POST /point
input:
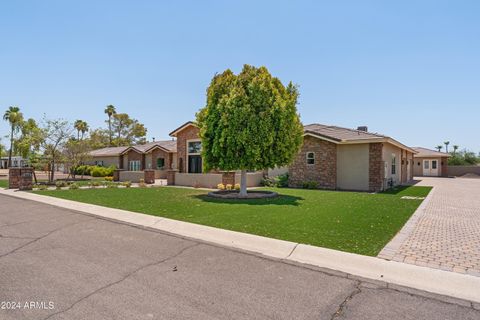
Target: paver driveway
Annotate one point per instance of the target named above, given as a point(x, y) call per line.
point(446, 233)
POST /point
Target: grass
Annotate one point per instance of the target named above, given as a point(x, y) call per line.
point(348, 221)
point(3, 183)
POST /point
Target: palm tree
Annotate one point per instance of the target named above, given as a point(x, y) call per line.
point(78, 126)
point(455, 148)
point(84, 128)
point(439, 148)
point(110, 111)
point(14, 117)
point(446, 143)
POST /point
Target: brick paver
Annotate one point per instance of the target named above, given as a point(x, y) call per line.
point(444, 233)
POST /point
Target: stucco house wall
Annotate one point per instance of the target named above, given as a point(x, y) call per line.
point(107, 161)
point(353, 167)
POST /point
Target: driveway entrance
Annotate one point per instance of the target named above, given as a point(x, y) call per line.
point(445, 233)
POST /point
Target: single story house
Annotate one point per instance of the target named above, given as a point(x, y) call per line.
point(331, 157)
point(17, 161)
point(157, 155)
point(430, 163)
point(339, 158)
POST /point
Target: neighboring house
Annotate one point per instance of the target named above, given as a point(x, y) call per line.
point(16, 162)
point(189, 147)
point(345, 159)
point(157, 155)
point(430, 163)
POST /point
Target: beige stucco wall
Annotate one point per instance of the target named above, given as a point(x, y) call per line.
point(204, 180)
point(352, 167)
point(277, 171)
point(107, 161)
point(132, 176)
point(253, 178)
point(388, 150)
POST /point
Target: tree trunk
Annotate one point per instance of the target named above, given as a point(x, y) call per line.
point(11, 148)
point(109, 131)
point(52, 176)
point(243, 183)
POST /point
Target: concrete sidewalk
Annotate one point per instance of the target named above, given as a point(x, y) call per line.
point(393, 274)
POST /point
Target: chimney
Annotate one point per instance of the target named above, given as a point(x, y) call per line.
point(153, 139)
point(363, 128)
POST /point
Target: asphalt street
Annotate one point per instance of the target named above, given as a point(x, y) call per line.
point(60, 264)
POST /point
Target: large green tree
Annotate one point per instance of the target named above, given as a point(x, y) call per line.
point(14, 118)
point(128, 130)
point(250, 122)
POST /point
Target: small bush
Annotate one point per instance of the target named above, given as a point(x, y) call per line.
point(310, 185)
point(42, 187)
point(61, 184)
point(228, 187)
point(282, 180)
point(267, 182)
point(127, 184)
point(73, 186)
point(109, 178)
point(112, 185)
point(237, 186)
point(142, 183)
point(220, 186)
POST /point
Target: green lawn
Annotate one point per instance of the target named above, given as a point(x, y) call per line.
point(3, 183)
point(348, 221)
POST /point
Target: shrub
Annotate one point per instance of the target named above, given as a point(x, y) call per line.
point(61, 184)
point(237, 186)
point(42, 187)
point(112, 185)
point(109, 178)
point(228, 187)
point(267, 182)
point(282, 180)
point(73, 186)
point(142, 184)
point(220, 186)
point(127, 184)
point(310, 185)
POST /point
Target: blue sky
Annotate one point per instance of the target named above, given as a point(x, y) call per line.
point(409, 69)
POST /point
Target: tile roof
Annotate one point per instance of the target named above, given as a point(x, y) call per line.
point(346, 136)
point(426, 153)
point(170, 145)
point(339, 133)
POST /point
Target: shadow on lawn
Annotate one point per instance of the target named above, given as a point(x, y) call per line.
point(282, 200)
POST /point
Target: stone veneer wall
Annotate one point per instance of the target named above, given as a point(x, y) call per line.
point(324, 171)
point(376, 167)
point(157, 153)
point(132, 155)
point(190, 132)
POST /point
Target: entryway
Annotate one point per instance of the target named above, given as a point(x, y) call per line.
point(430, 168)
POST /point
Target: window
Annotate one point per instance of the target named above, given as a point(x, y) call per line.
point(160, 163)
point(394, 164)
point(310, 157)
point(99, 163)
point(434, 164)
point(134, 165)
point(194, 147)
point(426, 164)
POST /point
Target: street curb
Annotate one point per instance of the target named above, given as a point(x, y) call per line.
point(435, 281)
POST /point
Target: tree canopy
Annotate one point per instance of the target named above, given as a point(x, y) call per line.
point(250, 121)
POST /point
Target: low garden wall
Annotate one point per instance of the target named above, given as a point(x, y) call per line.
point(254, 179)
point(457, 171)
point(201, 180)
point(132, 176)
point(212, 180)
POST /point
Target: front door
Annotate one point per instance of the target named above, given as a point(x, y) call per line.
point(430, 168)
point(194, 164)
